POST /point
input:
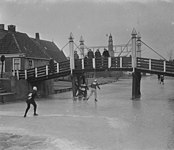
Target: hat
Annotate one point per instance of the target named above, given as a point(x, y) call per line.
point(34, 88)
point(95, 80)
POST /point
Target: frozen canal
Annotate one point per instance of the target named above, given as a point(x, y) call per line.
point(115, 122)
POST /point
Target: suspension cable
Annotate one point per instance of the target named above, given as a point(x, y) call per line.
point(153, 50)
point(124, 48)
point(128, 52)
point(64, 46)
point(77, 47)
point(86, 47)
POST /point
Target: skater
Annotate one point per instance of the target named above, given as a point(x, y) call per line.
point(159, 78)
point(83, 91)
point(30, 100)
point(94, 87)
point(162, 79)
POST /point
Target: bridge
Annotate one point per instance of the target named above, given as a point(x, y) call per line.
point(61, 69)
point(133, 63)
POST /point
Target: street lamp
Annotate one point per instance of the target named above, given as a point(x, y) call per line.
point(2, 60)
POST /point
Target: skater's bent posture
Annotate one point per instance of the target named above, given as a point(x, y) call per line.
point(83, 91)
point(30, 100)
point(94, 87)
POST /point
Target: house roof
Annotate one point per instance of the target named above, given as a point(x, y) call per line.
point(51, 50)
point(3, 33)
point(17, 42)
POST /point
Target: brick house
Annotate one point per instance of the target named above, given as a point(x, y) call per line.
point(24, 52)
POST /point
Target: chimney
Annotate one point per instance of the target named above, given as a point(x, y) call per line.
point(1, 26)
point(37, 36)
point(12, 28)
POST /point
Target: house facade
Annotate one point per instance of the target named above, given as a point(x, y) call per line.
point(24, 52)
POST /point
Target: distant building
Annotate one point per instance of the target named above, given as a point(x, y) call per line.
point(24, 52)
point(110, 46)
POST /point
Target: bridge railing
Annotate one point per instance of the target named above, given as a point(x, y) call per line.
point(155, 65)
point(103, 63)
point(113, 63)
point(63, 66)
point(126, 62)
point(169, 66)
point(42, 71)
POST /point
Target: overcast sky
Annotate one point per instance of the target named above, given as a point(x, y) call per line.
point(94, 19)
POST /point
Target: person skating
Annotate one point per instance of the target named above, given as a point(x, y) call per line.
point(31, 100)
point(162, 79)
point(83, 91)
point(94, 87)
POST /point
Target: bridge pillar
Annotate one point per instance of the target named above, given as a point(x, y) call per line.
point(78, 79)
point(136, 76)
point(134, 56)
point(138, 45)
point(136, 82)
point(71, 55)
point(82, 47)
point(71, 52)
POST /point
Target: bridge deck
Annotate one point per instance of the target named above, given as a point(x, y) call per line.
point(97, 64)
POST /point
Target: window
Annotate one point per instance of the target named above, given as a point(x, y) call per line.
point(30, 63)
point(16, 63)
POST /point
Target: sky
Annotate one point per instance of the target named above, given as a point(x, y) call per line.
point(94, 20)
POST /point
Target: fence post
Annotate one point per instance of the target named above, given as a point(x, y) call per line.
point(36, 72)
point(93, 63)
point(121, 62)
point(25, 74)
point(83, 64)
point(46, 70)
point(150, 64)
point(109, 62)
point(17, 74)
point(164, 66)
point(57, 67)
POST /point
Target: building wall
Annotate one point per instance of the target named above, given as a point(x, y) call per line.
point(21, 88)
point(8, 64)
point(38, 63)
point(24, 63)
point(35, 63)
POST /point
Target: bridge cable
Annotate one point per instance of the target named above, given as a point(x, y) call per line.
point(124, 48)
point(77, 47)
point(86, 47)
point(154, 50)
point(64, 46)
point(128, 52)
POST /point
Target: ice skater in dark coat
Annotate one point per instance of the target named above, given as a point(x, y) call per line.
point(31, 100)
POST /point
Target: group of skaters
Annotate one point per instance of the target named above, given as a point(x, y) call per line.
point(161, 79)
point(81, 92)
point(97, 53)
